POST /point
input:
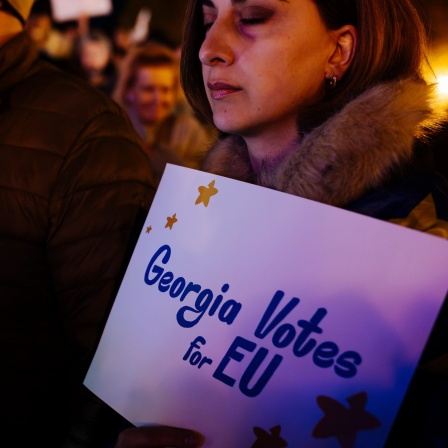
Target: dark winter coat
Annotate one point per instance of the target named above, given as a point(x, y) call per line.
point(73, 183)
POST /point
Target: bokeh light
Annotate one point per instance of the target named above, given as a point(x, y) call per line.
point(438, 58)
point(442, 85)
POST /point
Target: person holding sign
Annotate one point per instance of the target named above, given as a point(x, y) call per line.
point(325, 100)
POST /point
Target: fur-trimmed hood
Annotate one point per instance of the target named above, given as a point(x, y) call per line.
point(350, 154)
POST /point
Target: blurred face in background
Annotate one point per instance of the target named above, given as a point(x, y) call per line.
point(94, 55)
point(153, 93)
point(39, 27)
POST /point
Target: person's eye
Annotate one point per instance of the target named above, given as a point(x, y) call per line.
point(255, 16)
point(209, 19)
point(253, 20)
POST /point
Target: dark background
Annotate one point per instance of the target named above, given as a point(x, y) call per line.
point(169, 14)
point(437, 18)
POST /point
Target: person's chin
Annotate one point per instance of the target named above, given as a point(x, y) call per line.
point(227, 124)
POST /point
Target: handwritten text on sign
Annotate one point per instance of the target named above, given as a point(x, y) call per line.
point(284, 335)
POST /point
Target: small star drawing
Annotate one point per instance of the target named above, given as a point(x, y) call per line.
point(170, 220)
point(148, 229)
point(342, 422)
point(205, 193)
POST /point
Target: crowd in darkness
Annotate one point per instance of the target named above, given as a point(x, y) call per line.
point(132, 55)
point(57, 38)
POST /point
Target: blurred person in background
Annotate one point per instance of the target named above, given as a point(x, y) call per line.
point(94, 53)
point(52, 42)
point(148, 89)
point(166, 19)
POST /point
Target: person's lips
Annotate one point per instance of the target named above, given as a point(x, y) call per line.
point(220, 90)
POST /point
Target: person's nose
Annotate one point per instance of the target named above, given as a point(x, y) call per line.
point(217, 48)
point(155, 97)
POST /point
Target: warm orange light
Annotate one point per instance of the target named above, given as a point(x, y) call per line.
point(438, 59)
point(442, 85)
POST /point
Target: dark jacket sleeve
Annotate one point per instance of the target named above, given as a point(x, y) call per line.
point(99, 203)
point(103, 186)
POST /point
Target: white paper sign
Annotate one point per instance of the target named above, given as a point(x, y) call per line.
point(259, 318)
point(64, 10)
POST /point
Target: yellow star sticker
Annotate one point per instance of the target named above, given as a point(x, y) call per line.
point(205, 193)
point(148, 229)
point(170, 220)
